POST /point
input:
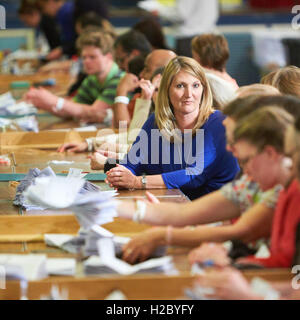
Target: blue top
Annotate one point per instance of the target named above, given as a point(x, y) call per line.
point(206, 165)
point(65, 19)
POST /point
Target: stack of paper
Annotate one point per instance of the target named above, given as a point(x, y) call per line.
point(9, 106)
point(90, 208)
point(47, 172)
point(29, 123)
point(107, 262)
point(29, 267)
point(26, 182)
point(86, 242)
point(96, 233)
point(61, 266)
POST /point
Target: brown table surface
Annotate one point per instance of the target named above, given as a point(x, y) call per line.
point(22, 232)
point(63, 81)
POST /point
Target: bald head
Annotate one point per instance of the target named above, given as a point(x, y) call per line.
point(156, 59)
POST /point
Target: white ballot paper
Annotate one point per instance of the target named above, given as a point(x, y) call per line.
point(47, 172)
point(28, 123)
point(90, 208)
point(86, 242)
point(9, 106)
point(107, 263)
point(61, 266)
point(29, 267)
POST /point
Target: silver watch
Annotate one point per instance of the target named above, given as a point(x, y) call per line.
point(144, 181)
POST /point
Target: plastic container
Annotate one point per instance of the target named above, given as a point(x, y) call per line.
point(19, 88)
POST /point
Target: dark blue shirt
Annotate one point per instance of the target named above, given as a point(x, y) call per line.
point(65, 20)
point(197, 166)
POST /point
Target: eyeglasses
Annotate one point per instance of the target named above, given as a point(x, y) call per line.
point(245, 161)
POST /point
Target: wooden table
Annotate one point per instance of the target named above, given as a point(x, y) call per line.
point(23, 231)
point(63, 81)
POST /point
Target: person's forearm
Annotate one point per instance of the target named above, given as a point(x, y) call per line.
point(191, 237)
point(71, 109)
point(79, 111)
point(121, 113)
point(210, 208)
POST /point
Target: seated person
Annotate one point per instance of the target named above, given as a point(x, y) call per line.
point(129, 45)
point(241, 198)
point(110, 145)
point(96, 94)
point(123, 107)
point(212, 52)
point(229, 283)
point(63, 12)
point(30, 13)
point(198, 165)
point(286, 80)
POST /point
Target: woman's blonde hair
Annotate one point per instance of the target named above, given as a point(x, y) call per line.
point(164, 114)
point(286, 80)
point(257, 89)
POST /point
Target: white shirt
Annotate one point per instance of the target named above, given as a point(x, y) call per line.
point(191, 17)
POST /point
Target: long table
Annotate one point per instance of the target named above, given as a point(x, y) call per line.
point(23, 231)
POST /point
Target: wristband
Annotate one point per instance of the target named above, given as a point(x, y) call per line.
point(90, 144)
point(140, 211)
point(122, 99)
point(59, 105)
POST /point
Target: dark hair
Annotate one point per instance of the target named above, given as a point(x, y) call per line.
point(92, 19)
point(152, 30)
point(240, 108)
point(136, 64)
point(212, 49)
point(29, 6)
point(133, 40)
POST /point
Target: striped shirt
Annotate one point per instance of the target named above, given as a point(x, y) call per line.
point(91, 89)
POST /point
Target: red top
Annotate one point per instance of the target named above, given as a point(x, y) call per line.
point(285, 221)
point(272, 3)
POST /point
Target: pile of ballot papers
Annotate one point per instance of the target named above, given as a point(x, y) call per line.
point(32, 267)
point(86, 242)
point(10, 107)
point(107, 262)
point(28, 123)
point(74, 194)
point(29, 179)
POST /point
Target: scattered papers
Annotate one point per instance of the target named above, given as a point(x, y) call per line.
point(61, 266)
point(29, 179)
point(86, 242)
point(107, 263)
point(28, 123)
point(29, 267)
point(55, 192)
point(9, 106)
point(26, 182)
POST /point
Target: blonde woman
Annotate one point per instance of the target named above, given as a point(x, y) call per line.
point(171, 151)
point(286, 80)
